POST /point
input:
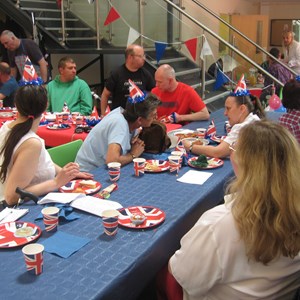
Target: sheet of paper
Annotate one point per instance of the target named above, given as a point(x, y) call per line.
point(95, 205)
point(11, 214)
point(194, 177)
point(60, 198)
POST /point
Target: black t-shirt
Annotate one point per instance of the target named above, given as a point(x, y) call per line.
point(118, 84)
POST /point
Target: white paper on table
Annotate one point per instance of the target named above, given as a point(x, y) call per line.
point(61, 198)
point(194, 177)
point(12, 214)
point(94, 205)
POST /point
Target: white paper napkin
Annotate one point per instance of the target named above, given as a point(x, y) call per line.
point(194, 177)
point(11, 214)
point(60, 198)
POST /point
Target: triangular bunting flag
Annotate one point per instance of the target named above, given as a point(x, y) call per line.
point(241, 86)
point(29, 72)
point(112, 16)
point(132, 36)
point(192, 46)
point(220, 80)
point(95, 113)
point(160, 50)
point(206, 50)
point(211, 130)
point(135, 94)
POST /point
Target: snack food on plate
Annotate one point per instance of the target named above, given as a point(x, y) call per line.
point(137, 219)
point(88, 183)
point(200, 162)
point(151, 167)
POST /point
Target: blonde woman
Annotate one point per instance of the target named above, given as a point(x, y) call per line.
point(249, 247)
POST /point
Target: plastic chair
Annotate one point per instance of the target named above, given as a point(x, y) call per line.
point(63, 154)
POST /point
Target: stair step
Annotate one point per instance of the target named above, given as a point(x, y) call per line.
point(41, 9)
point(67, 29)
point(38, 1)
point(168, 61)
point(56, 19)
point(168, 54)
point(89, 38)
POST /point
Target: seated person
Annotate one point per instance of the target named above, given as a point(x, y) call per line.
point(25, 163)
point(291, 101)
point(68, 88)
point(8, 85)
point(111, 140)
point(277, 70)
point(178, 98)
point(240, 111)
point(248, 248)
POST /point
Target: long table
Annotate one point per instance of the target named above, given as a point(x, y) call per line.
point(118, 267)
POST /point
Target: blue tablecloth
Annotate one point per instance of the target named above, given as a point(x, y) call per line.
point(117, 267)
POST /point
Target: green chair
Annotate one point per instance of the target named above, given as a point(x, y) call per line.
point(63, 154)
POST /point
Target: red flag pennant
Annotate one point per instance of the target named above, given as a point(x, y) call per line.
point(241, 86)
point(29, 72)
point(95, 113)
point(112, 16)
point(192, 46)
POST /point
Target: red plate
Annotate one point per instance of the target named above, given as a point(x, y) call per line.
point(218, 138)
point(212, 163)
point(156, 166)
point(154, 216)
point(75, 186)
point(9, 239)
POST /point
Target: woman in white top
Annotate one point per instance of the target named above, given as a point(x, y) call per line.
point(248, 248)
point(24, 161)
point(240, 109)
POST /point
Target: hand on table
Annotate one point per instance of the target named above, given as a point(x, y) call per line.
point(85, 175)
point(67, 173)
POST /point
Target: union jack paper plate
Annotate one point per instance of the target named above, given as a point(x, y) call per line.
point(212, 163)
point(154, 216)
point(87, 187)
point(156, 166)
point(14, 234)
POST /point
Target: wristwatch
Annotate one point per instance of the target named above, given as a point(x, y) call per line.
point(191, 147)
point(133, 156)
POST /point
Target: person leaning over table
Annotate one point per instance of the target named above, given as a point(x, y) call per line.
point(241, 108)
point(70, 89)
point(291, 101)
point(24, 161)
point(114, 138)
point(249, 247)
point(8, 85)
point(177, 97)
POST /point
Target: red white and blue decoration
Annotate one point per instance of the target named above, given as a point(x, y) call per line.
point(139, 167)
point(110, 225)
point(34, 263)
point(29, 74)
point(241, 88)
point(135, 94)
point(211, 130)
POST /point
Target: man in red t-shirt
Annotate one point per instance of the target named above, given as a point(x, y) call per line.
point(177, 98)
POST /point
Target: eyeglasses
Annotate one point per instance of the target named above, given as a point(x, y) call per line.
point(232, 147)
point(140, 55)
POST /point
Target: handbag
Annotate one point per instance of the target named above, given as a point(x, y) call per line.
point(155, 138)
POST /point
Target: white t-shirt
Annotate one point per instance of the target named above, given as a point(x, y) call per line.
point(235, 130)
point(211, 264)
point(45, 169)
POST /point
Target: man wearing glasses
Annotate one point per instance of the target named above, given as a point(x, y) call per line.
point(117, 84)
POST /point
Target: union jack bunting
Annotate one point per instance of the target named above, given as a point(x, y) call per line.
point(34, 263)
point(135, 94)
point(29, 72)
point(211, 130)
point(241, 86)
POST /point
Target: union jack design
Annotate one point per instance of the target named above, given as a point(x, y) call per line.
point(34, 263)
point(110, 225)
point(241, 86)
point(134, 91)
point(211, 130)
point(114, 173)
point(174, 165)
point(51, 222)
point(29, 72)
point(139, 168)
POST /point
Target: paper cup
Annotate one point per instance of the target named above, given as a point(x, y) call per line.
point(201, 132)
point(33, 255)
point(58, 118)
point(139, 166)
point(174, 161)
point(50, 217)
point(74, 116)
point(178, 153)
point(114, 169)
point(79, 120)
point(110, 221)
point(65, 117)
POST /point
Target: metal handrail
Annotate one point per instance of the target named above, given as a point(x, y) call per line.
point(225, 42)
point(244, 36)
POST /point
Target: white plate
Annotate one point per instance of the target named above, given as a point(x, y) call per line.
point(50, 118)
point(174, 138)
point(193, 140)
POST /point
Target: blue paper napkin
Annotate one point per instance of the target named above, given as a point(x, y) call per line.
point(65, 213)
point(64, 244)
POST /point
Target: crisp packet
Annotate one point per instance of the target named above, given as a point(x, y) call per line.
point(105, 193)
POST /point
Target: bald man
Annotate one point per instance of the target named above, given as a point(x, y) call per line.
point(291, 51)
point(117, 84)
point(18, 50)
point(8, 85)
point(177, 97)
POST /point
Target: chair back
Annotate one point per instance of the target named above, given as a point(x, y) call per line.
point(63, 154)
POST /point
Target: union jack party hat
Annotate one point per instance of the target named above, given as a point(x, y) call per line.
point(135, 94)
point(29, 74)
point(241, 88)
point(211, 130)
